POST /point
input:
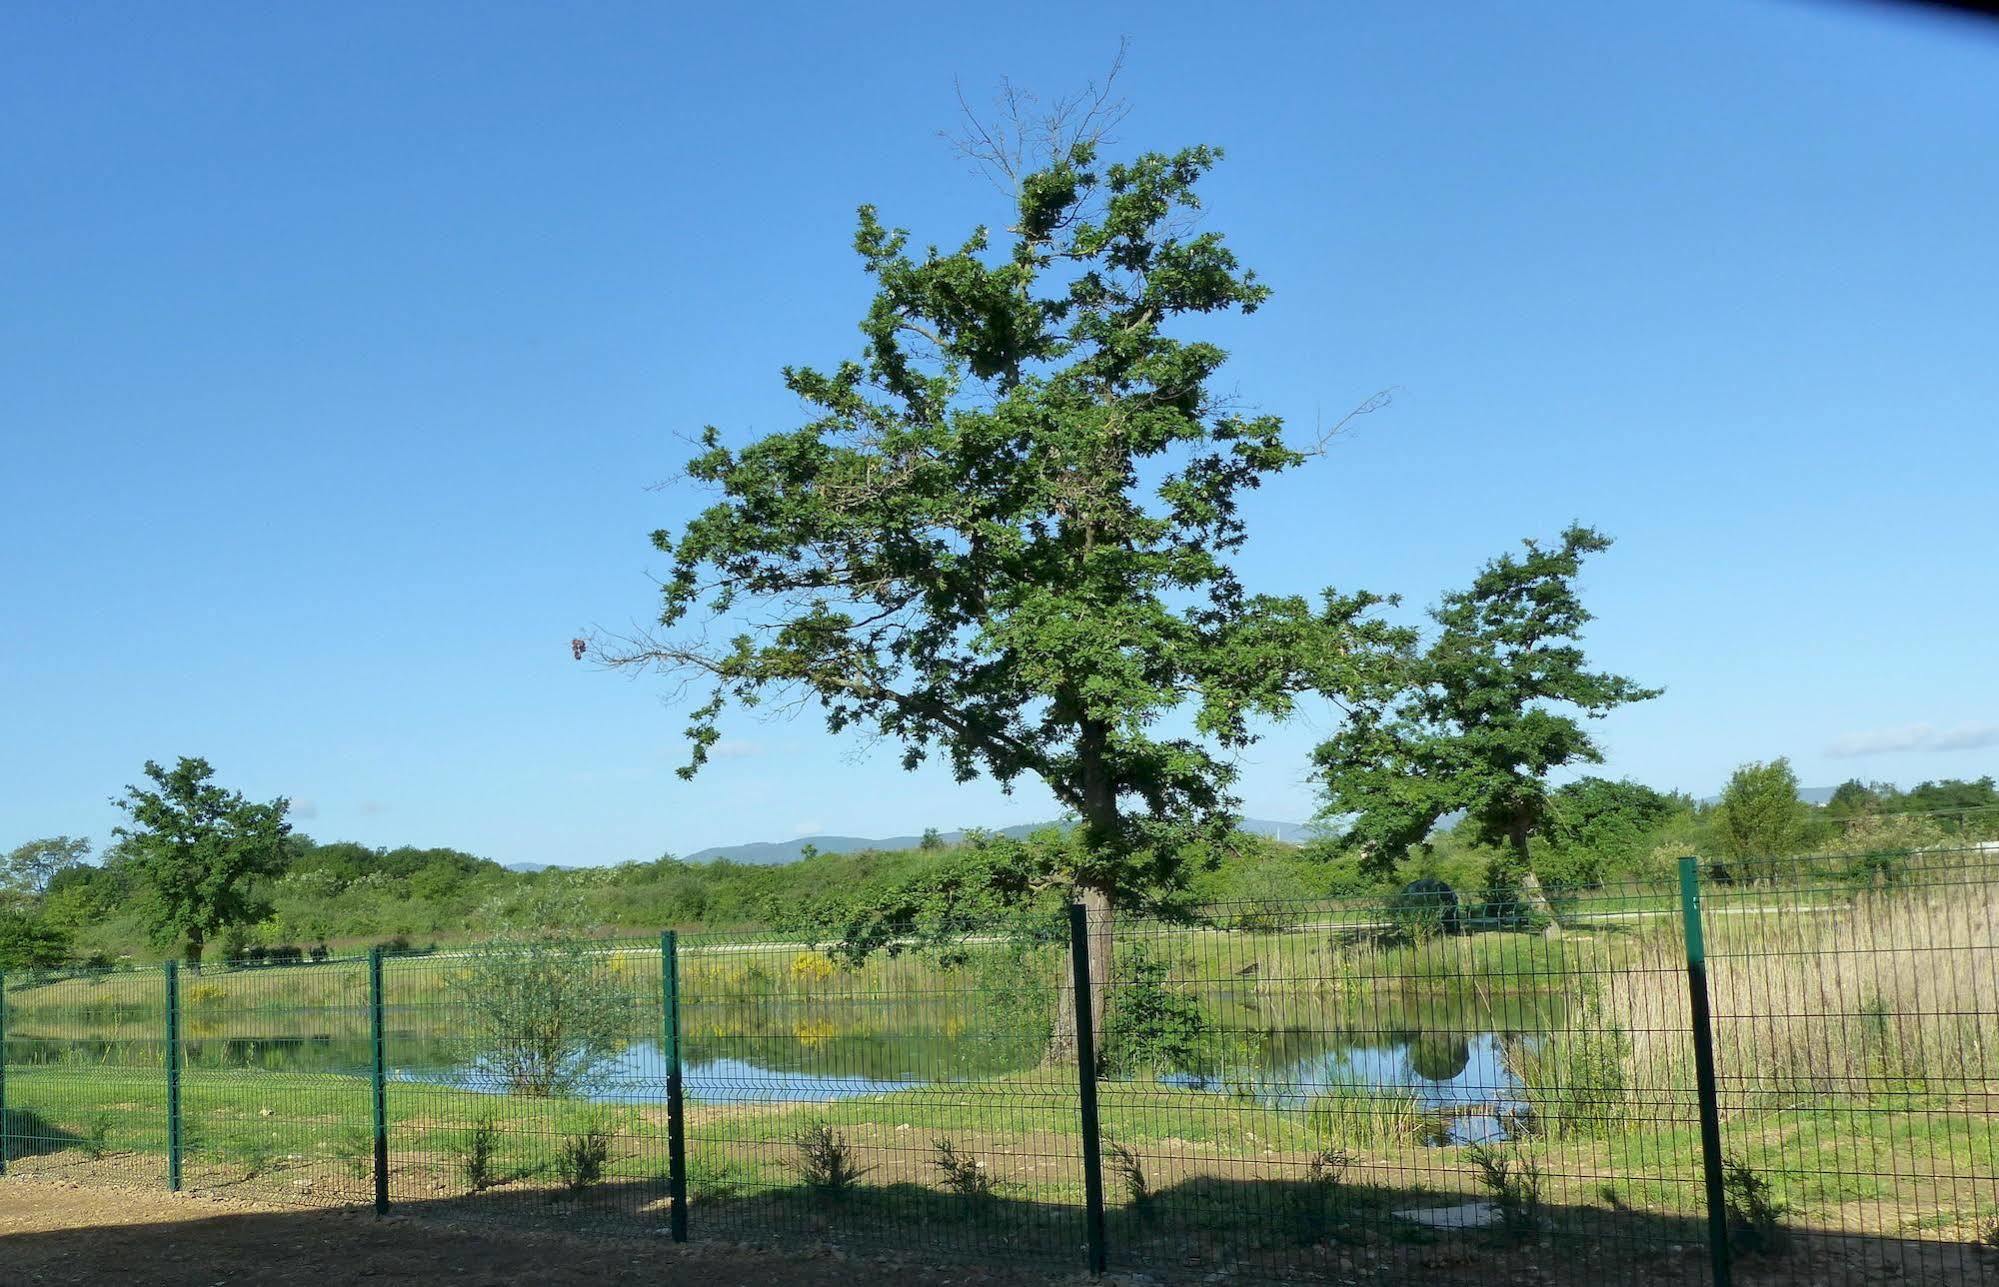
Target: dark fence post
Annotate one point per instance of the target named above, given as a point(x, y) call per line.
point(1697, 996)
point(172, 973)
point(676, 1121)
point(5, 1129)
point(379, 1040)
point(1086, 1085)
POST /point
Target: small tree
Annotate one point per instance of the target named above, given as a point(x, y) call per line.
point(1476, 723)
point(1760, 820)
point(31, 867)
point(544, 1010)
point(199, 849)
point(29, 942)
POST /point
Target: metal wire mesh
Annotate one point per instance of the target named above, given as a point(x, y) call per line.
point(1426, 1087)
point(1856, 1054)
point(1408, 1087)
point(525, 1081)
point(84, 1058)
point(274, 1075)
point(915, 1098)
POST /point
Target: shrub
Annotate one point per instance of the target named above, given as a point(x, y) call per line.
point(964, 1175)
point(475, 1150)
point(1754, 1210)
point(1574, 1082)
point(97, 1137)
point(825, 1161)
point(580, 1159)
point(1513, 1179)
point(1148, 1027)
point(543, 1016)
point(355, 1150)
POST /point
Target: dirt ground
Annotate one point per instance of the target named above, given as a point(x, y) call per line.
point(53, 1232)
point(59, 1232)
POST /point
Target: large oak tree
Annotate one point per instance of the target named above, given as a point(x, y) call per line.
point(1004, 534)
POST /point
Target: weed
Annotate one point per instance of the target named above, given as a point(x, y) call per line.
point(475, 1150)
point(1754, 1210)
point(964, 1175)
point(826, 1161)
point(580, 1159)
point(97, 1137)
point(1988, 1235)
point(252, 1154)
point(355, 1149)
point(1514, 1181)
point(1130, 1170)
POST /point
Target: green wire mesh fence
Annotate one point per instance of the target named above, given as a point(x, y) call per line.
point(1444, 1086)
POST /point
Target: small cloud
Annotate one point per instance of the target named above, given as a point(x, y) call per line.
point(807, 828)
point(1917, 737)
point(370, 808)
point(304, 809)
point(730, 748)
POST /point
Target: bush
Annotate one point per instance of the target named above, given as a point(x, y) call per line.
point(825, 1161)
point(964, 1175)
point(475, 1150)
point(1754, 1210)
point(544, 1017)
point(1130, 1171)
point(1573, 1082)
point(1148, 1027)
point(580, 1159)
point(1514, 1181)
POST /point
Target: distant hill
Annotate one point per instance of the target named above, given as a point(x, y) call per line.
point(773, 853)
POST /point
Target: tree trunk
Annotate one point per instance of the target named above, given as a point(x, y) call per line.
point(1530, 884)
point(1103, 833)
point(195, 943)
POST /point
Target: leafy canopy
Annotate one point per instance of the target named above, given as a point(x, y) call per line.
point(30, 868)
point(198, 849)
point(1004, 536)
point(1476, 723)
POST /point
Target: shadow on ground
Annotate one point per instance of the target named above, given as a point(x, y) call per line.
point(1204, 1231)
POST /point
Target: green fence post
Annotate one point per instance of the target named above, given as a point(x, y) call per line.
point(172, 972)
point(381, 1079)
point(1086, 1085)
point(5, 1128)
point(1704, 1085)
point(676, 1121)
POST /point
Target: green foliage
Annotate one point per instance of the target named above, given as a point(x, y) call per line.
point(964, 1175)
point(1760, 820)
point(825, 1161)
point(1472, 722)
point(1574, 1080)
point(580, 1157)
point(1755, 1212)
point(29, 941)
point(1005, 537)
point(1149, 1028)
point(1352, 1115)
point(1596, 827)
point(198, 849)
point(476, 1151)
point(31, 868)
point(96, 1139)
point(544, 1012)
point(1512, 1180)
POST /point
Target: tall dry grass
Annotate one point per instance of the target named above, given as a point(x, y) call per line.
point(1892, 991)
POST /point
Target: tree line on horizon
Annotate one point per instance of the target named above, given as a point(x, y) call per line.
point(303, 897)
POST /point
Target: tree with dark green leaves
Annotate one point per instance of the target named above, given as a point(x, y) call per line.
point(1480, 717)
point(198, 849)
point(1005, 535)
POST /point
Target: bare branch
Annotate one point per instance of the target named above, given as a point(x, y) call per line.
point(1322, 438)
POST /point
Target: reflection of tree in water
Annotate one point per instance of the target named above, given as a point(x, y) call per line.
point(1439, 1056)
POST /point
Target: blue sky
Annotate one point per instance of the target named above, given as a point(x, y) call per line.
point(339, 345)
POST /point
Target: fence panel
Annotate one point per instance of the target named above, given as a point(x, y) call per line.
point(1409, 1086)
point(1856, 1010)
point(85, 1084)
point(274, 1081)
point(527, 1082)
point(924, 1098)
